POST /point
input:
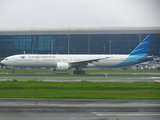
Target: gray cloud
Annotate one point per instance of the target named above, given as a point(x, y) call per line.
point(79, 13)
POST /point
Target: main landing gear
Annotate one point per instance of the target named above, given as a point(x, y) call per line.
point(78, 72)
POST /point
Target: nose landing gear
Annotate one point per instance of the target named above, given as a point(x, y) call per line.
point(13, 71)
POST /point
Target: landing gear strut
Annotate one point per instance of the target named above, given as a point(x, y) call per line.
point(78, 72)
point(13, 71)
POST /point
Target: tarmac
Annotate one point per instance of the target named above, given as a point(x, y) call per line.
point(78, 109)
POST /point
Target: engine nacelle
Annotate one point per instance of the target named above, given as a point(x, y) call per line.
point(62, 67)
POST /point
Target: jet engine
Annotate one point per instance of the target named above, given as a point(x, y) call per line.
point(62, 67)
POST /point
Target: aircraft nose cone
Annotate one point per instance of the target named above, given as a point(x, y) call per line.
point(2, 62)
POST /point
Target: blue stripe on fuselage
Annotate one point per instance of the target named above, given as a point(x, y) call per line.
point(131, 60)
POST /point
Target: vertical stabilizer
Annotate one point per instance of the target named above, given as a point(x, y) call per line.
point(142, 48)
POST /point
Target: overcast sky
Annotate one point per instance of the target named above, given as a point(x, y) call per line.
point(79, 13)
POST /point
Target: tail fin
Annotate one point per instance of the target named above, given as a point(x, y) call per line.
point(142, 48)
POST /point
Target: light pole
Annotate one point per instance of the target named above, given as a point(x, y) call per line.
point(139, 38)
point(104, 48)
point(110, 46)
point(52, 46)
point(68, 39)
point(68, 43)
point(32, 47)
point(88, 43)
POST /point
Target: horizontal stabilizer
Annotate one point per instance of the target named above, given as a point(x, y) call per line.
point(145, 58)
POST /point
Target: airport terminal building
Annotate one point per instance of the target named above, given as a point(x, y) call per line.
point(76, 40)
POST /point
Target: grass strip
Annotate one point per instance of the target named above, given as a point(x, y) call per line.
point(79, 90)
point(71, 71)
point(125, 75)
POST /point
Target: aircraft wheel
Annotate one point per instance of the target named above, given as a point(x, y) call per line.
point(74, 72)
point(79, 72)
point(13, 71)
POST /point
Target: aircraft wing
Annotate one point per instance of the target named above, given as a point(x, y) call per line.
point(86, 61)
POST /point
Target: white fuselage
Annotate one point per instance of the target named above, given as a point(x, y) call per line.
point(43, 60)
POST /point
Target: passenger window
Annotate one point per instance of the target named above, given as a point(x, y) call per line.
point(58, 59)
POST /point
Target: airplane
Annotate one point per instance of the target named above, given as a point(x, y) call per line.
point(78, 62)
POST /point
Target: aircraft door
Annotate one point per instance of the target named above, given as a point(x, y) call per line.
point(127, 60)
point(36, 59)
point(70, 59)
point(15, 59)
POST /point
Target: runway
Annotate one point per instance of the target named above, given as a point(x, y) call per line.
point(82, 78)
point(78, 109)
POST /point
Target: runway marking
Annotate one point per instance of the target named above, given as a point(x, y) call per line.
point(157, 80)
point(127, 114)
